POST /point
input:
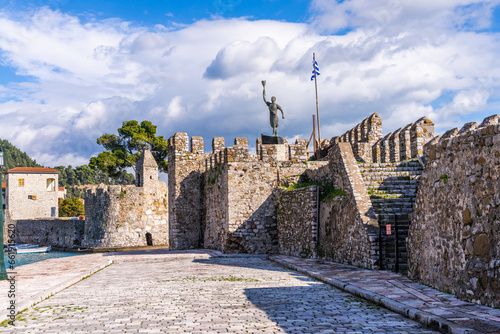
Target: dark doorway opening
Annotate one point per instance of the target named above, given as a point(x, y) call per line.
point(149, 239)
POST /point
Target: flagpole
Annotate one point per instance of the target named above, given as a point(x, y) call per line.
point(317, 105)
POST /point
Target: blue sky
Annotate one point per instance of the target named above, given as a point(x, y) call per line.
point(71, 70)
point(150, 13)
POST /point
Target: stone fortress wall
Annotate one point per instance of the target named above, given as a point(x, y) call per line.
point(132, 215)
point(59, 232)
point(233, 201)
point(347, 226)
point(226, 199)
point(454, 241)
point(115, 216)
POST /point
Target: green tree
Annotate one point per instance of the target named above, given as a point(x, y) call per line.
point(13, 157)
point(123, 150)
point(72, 207)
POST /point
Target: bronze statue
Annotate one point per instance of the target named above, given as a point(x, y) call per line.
point(273, 110)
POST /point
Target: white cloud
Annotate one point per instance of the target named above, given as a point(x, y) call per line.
point(402, 59)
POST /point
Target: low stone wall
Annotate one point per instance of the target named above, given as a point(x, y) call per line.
point(454, 239)
point(297, 221)
point(348, 229)
point(55, 232)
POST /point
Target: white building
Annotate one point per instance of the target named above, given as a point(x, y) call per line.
point(32, 192)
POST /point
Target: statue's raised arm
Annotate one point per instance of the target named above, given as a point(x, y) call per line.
point(264, 91)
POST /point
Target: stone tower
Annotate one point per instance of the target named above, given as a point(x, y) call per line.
point(146, 170)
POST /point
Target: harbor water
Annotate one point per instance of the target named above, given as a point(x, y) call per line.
point(24, 259)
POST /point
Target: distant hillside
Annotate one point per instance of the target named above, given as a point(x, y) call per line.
point(83, 175)
point(14, 157)
point(70, 177)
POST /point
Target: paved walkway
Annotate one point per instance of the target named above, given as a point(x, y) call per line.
point(197, 292)
point(400, 294)
point(37, 281)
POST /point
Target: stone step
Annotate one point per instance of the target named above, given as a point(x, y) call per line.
point(398, 180)
point(397, 189)
point(389, 164)
point(410, 170)
point(383, 221)
point(387, 217)
point(403, 201)
point(390, 188)
point(387, 196)
point(382, 205)
point(389, 210)
point(390, 170)
point(390, 178)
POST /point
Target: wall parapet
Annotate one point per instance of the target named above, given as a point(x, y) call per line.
point(470, 133)
point(368, 144)
point(362, 137)
point(454, 240)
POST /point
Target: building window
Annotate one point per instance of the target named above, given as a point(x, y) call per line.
point(51, 184)
point(20, 182)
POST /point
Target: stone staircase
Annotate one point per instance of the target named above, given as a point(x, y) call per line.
point(392, 188)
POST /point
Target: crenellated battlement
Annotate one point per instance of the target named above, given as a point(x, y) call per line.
point(368, 144)
point(239, 152)
point(456, 139)
point(362, 137)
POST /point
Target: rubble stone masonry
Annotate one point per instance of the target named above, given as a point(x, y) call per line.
point(347, 226)
point(124, 216)
point(184, 182)
point(454, 239)
point(58, 232)
point(297, 215)
point(239, 194)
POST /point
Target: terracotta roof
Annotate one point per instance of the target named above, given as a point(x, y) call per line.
point(32, 170)
point(61, 188)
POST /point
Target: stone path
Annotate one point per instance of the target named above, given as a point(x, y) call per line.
point(402, 295)
point(200, 293)
point(37, 281)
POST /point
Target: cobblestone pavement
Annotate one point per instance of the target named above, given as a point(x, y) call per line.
point(36, 281)
point(177, 294)
point(400, 294)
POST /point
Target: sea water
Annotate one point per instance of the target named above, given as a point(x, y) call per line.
point(24, 259)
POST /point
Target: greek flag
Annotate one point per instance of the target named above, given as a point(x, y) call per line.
point(315, 70)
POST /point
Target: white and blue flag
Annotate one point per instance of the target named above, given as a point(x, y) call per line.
point(315, 69)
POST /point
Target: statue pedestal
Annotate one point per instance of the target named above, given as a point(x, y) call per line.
point(271, 140)
point(272, 148)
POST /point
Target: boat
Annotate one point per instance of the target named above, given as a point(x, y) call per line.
point(30, 248)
